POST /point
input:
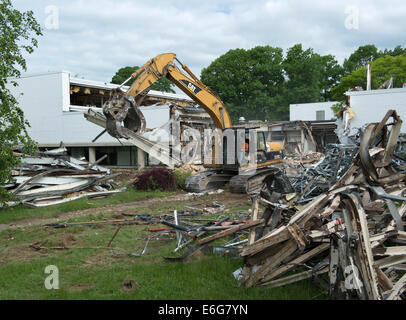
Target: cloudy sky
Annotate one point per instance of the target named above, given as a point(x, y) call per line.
point(93, 39)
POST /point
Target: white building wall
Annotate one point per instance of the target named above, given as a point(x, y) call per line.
point(307, 111)
point(44, 98)
point(371, 106)
point(45, 102)
point(156, 116)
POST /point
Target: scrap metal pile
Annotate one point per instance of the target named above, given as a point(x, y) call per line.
point(52, 177)
point(319, 177)
point(350, 239)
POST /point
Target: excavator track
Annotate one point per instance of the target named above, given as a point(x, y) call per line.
point(251, 182)
point(207, 180)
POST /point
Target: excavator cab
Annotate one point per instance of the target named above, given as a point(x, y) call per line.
point(268, 151)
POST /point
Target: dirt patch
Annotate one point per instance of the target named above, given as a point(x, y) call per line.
point(81, 286)
point(98, 259)
point(130, 285)
point(22, 253)
point(67, 241)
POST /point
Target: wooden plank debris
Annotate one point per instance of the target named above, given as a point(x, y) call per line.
point(361, 218)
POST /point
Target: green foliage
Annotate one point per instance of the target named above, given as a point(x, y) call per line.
point(331, 73)
point(16, 38)
point(360, 57)
point(260, 84)
point(310, 76)
point(397, 51)
point(381, 70)
point(156, 179)
point(124, 73)
point(180, 177)
point(368, 53)
point(248, 81)
point(336, 108)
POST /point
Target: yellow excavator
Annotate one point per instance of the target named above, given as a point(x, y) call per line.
point(263, 173)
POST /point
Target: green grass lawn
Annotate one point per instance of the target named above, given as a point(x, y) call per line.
point(86, 273)
point(97, 274)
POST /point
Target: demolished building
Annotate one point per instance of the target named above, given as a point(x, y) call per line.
point(54, 104)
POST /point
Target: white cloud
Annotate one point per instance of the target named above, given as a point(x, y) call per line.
point(96, 38)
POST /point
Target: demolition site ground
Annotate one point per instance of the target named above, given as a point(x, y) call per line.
point(92, 252)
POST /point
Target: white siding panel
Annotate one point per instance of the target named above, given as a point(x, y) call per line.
point(373, 105)
point(308, 111)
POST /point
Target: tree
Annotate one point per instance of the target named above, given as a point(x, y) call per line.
point(248, 81)
point(331, 73)
point(260, 84)
point(381, 70)
point(124, 73)
point(303, 71)
point(310, 77)
point(17, 32)
point(360, 58)
point(397, 51)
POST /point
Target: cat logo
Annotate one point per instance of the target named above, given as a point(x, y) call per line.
point(195, 89)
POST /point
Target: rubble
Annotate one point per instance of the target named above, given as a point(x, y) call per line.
point(319, 177)
point(53, 177)
point(353, 233)
point(344, 227)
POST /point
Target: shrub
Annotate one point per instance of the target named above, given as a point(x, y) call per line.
point(156, 179)
point(180, 177)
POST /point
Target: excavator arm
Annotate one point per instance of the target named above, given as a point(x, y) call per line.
point(123, 106)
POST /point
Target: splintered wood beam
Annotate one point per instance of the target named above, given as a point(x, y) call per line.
point(329, 210)
point(294, 278)
point(261, 256)
point(383, 280)
point(390, 251)
point(228, 232)
point(390, 261)
point(264, 243)
point(401, 235)
point(295, 262)
point(288, 249)
point(254, 217)
point(398, 288)
point(298, 235)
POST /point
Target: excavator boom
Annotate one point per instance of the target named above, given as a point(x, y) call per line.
point(123, 108)
point(155, 69)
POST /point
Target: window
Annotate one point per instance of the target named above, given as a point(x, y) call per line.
point(88, 97)
point(320, 115)
point(261, 145)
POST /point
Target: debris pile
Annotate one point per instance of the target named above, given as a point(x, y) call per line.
point(319, 177)
point(349, 239)
point(53, 177)
point(193, 224)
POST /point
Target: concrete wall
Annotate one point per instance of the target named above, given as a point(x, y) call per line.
point(307, 111)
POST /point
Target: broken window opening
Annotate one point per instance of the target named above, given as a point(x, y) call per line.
point(88, 97)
